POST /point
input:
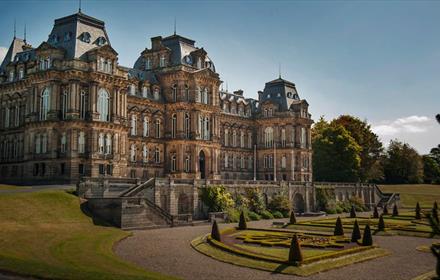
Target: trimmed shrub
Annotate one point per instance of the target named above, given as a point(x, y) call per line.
point(418, 211)
point(385, 209)
point(381, 225)
point(215, 232)
point(375, 213)
point(254, 216)
point(339, 229)
point(367, 240)
point(339, 210)
point(242, 223)
point(277, 215)
point(279, 203)
point(435, 214)
point(352, 212)
point(295, 253)
point(266, 215)
point(356, 234)
point(358, 203)
point(292, 218)
point(285, 214)
point(395, 211)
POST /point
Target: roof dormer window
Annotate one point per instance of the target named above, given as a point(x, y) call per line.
point(85, 37)
point(45, 63)
point(67, 36)
point(162, 61)
point(11, 75)
point(54, 39)
point(101, 41)
point(21, 74)
point(147, 63)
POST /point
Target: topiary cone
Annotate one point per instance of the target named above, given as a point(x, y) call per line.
point(435, 214)
point(295, 253)
point(215, 233)
point(356, 234)
point(435, 205)
point(418, 211)
point(367, 240)
point(381, 225)
point(292, 218)
point(375, 213)
point(339, 229)
point(352, 212)
point(385, 209)
point(395, 211)
point(242, 223)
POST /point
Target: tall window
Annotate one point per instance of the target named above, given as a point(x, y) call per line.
point(157, 128)
point(7, 117)
point(186, 93)
point(283, 137)
point(242, 162)
point(145, 91)
point(63, 142)
point(187, 126)
point(133, 125)
point(173, 126)
point(145, 153)
point(174, 93)
point(81, 142)
point(250, 163)
point(268, 137)
point(283, 162)
point(226, 161)
point(147, 64)
point(234, 138)
point(11, 75)
point(132, 89)
point(37, 144)
point(133, 153)
point(187, 163)
point(303, 137)
point(173, 163)
point(242, 139)
point(204, 96)
point(17, 115)
point(83, 104)
point(108, 144)
point(21, 73)
point(44, 143)
point(226, 137)
point(44, 104)
point(103, 105)
point(63, 104)
point(157, 155)
point(162, 61)
point(250, 140)
point(146, 127)
point(101, 143)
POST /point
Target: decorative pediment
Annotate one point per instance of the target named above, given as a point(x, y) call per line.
point(46, 46)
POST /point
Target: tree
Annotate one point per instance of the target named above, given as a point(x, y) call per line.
point(336, 155)
point(375, 213)
point(395, 211)
point(431, 170)
point(381, 225)
point(418, 211)
point(403, 165)
point(216, 198)
point(367, 240)
point(295, 252)
point(437, 117)
point(292, 218)
point(352, 212)
point(435, 153)
point(281, 203)
point(242, 223)
point(356, 233)
point(339, 229)
point(215, 232)
point(370, 154)
point(256, 200)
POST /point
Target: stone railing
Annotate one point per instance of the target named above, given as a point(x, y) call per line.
point(217, 216)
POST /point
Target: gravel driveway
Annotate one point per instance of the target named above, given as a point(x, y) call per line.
point(168, 251)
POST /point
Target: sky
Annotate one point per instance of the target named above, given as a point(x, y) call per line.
point(377, 60)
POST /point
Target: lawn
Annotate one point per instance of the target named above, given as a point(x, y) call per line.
point(45, 234)
point(411, 194)
point(12, 187)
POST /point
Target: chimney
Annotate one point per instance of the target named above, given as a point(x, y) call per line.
point(156, 42)
point(260, 95)
point(238, 92)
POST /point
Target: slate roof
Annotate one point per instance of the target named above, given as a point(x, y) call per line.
point(16, 46)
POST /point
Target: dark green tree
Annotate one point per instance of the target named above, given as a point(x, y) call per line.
point(292, 217)
point(367, 240)
point(435, 153)
point(395, 211)
point(381, 225)
point(352, 212)
point(418, 211)
point(437, 117)
point(356, 233)
point(375, 213)
point(402, 164)
point(431, 170)
point(295, 252)
point(370, 167)
point(339, 229)
point(215, 232)
point(336, 155)
point(242, 222)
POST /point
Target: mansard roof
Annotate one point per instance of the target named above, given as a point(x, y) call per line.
point(17, 46)
point(281, 92)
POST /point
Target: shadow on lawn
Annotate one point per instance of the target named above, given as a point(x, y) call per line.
point(97, 221)
point(280, 268)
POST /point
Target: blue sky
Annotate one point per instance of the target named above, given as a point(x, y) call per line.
point(376, 60)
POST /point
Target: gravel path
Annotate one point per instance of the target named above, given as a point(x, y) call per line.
point(168, 251)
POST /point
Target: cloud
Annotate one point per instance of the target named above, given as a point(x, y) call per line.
point(411, 124)
point(3, 52)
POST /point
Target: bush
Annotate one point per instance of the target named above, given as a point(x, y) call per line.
point(277, 215)
point(295, 252)
point(242, 224)
point(358, 203)
point(368, 239)
point(339, 229)
point(215, 233)
point(331, 211)
point(356, 234)
point(266, 215)
point(279, 203)
point(217, 198)
point(256, 201)
point(241, 202)
point(233, 215)
point(285, 214)
point(339, 210)
point(324, 199)
point(254, 216)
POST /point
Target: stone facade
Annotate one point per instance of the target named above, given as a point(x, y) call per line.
point(69, 110)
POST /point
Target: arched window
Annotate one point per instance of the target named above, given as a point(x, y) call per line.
point(226, 137)
point(268, 137)
point(37, 145)
point(303, 137)
point(186, 92)
point(156, 94)
point(146, 127)
point(283, 137)
point(63, 104)
point(103, 105)
point(199, 94)
point(242, 162)
point(187, 126)
point(226, 161)
point(147, 63)
point(108, 144)
point(83, 104)
point(242, 139)
point(187, 163)
point(173, 163)
point(132, 89)
point(44, 143)
point(145, 91)
point(250, 140)
point(63, 143)
point(283, 161)
point(157, 155)
point(133, 125)
point(207, 134)
point(205, 96)
point(44, 104)
point(133, 153)
point(101, 143)
point(174, 93)
point(173, 126)
point(250, 162)
point(157, 128)
point(145, 153)
point(81, 142)
point(234, 138)
point(7, 117)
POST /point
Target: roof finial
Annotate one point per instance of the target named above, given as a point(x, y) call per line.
point(79, 9)
point(226, 86)
point(15, 28)
point(175, 25)
point(279, 70)
point(25, 32)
